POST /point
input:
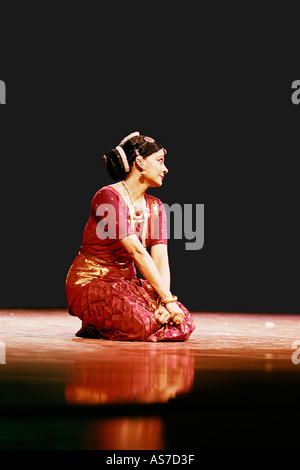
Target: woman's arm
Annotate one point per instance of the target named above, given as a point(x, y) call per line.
point(147, 266)
point(159, 254)
point(149, 270)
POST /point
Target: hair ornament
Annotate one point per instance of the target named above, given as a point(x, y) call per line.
point(149, 139)
point(124, 158)
point(133, 134)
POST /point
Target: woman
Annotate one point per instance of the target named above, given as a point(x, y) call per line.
point(102, 286)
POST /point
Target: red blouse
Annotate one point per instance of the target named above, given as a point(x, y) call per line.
point(110, 221)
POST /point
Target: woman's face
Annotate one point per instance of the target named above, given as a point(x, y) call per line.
point(155, 168)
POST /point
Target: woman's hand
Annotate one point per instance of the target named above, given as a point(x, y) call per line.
point(172, 314)
point(162, 314)
point(177, 315)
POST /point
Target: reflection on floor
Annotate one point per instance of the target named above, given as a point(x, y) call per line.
point(234, 385)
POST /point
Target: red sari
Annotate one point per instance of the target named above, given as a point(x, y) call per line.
point(102, 286)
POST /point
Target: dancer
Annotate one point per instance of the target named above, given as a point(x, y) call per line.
point(127, 229)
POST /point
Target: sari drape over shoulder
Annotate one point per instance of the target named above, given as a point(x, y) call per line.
point(102, 286)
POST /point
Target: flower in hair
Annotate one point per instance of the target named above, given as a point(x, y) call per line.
point(149, 139)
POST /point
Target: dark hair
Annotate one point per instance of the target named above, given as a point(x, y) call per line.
point(133, 146)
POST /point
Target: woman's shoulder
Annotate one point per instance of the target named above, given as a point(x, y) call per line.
point(155, 205)
point(153, 199)
point(106, 195)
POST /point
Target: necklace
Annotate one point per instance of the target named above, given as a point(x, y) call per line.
point(138, 211)
point(140, 214)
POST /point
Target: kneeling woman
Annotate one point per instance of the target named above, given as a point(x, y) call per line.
point(102, 286)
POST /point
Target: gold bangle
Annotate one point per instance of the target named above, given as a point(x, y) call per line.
point(167, 301)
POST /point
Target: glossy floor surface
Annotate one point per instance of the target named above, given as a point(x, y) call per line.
point(234, 385)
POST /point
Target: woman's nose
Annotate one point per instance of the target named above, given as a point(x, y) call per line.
point(165, 169)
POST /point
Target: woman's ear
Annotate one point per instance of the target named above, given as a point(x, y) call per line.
point(140, 161)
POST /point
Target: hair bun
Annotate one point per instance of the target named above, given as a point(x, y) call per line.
point(113, 162)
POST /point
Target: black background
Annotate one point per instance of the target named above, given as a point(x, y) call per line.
point(213, 86)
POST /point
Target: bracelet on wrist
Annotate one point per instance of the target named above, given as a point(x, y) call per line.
point(167, 301)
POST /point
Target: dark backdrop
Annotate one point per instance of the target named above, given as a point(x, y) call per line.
point(217, 95)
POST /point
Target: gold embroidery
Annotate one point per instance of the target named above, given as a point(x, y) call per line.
point(155, 209)
point(87, 270)
point(154, 206)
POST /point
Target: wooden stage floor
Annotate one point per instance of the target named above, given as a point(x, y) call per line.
point(234, 385)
